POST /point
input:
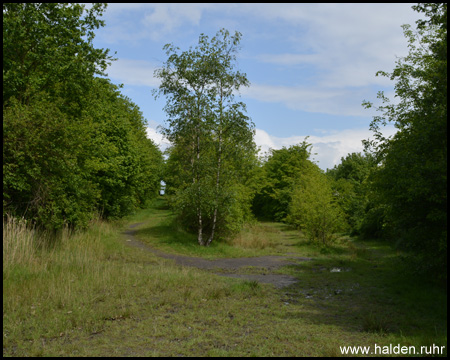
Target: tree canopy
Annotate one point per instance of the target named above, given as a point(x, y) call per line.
point(411, 181)
point(280, 171)
point(211, 135)
point(73, 146)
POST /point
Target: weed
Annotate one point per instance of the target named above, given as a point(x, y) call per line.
point(375, 323)
point(253, 286)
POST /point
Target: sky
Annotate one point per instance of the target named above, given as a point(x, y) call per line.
point(310, 66)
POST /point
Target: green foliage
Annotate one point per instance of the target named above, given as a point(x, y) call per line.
point(313, 208)
point(351, 189)
point(294, 190)
point(125, 164)
point(280, 171)
point(73, 145)
point(355, 167)
point(211, 135)
point(51, 43)
point(412, 178)
point(42, 179)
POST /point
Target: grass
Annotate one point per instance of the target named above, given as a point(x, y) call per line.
point(91, 295)
point(256, 236)
point(162, 231)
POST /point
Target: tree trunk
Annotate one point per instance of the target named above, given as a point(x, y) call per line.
point(219, 161)
point(200, 227)
point(199, 210)
point(217, 196)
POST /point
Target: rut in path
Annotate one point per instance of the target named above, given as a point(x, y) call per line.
point(269, 262)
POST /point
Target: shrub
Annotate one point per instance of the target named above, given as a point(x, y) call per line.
point(314, 210)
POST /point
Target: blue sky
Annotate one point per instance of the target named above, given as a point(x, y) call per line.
point(310, 65)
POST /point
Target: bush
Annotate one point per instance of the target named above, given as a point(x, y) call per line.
point(314, 210)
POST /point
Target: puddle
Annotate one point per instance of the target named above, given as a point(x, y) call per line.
point(336, 269)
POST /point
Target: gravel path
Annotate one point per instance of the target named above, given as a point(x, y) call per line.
point(227, 267)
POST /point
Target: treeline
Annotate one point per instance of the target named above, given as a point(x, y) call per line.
point(74, 147)
point(409, 187)
point(293, 189)
point(396, 189)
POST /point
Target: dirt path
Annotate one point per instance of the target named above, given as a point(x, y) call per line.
point(227, 267)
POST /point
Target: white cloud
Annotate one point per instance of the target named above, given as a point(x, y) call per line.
point(133, 72)
point(155, 21)
point(289, 59)
point(334, 29)
point(326, 150)
point(314, 99)
point(340, 47)
point(156, 136)
point(264, 140)
point(165, 19)
point(343, 46)
point(329, 148)
point(172, 16)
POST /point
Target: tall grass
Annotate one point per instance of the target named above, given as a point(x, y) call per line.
point(26, 246)
point(19, 240)
point(49, 281)
point(256, 236)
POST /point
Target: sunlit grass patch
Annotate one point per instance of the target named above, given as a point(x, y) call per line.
point(256, 236)
point(165, 234)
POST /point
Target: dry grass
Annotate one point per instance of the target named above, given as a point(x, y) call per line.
point(256, 236)
point(19, 240)
point(24, 245)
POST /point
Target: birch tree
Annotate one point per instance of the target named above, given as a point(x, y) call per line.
point(210, 127)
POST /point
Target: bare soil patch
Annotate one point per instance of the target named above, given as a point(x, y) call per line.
point(228, 267)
